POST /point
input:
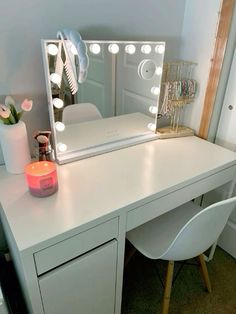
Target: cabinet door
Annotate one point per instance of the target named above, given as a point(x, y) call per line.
point(85, 285)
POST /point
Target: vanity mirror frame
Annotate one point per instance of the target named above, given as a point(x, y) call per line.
point(77, 154)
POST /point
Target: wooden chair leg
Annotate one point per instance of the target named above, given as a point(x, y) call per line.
point(204, 272)
point(168, 286)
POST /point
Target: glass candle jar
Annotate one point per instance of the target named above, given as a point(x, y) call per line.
point(41, 177)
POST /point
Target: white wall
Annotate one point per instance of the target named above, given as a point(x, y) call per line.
point(198, 38)
point(24, 23)
point(224, 76)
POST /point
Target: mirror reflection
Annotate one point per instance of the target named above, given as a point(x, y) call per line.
point(112, 104)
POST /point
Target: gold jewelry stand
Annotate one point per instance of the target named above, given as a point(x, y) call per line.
point(178, 90)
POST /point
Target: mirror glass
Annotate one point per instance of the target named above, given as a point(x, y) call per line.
point(114, 105)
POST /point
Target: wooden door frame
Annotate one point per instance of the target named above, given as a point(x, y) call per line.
point(225, 18)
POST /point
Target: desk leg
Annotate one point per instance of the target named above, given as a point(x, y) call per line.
point(213, 248)
point(211, 254)
point(231, 188)
point(30, 286)
point(120, 262)
point(25, 268)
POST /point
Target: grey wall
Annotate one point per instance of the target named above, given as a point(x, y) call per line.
point(24, 23)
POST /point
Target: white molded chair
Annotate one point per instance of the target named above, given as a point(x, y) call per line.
point(80, 113)
point(181, 234)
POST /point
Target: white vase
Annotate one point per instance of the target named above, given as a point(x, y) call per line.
point(15, 147)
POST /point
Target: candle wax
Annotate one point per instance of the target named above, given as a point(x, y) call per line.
point(41, 177)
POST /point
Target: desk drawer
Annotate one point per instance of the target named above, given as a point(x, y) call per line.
point(85, 285)
point(155, 208)
point(64, 251)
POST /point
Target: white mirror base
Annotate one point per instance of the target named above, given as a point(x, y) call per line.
point(101, 149)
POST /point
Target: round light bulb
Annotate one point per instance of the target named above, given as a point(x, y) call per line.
point(130, 49)
point(95, 48)
point(60, 127)
point(73, 50)
point(159, 71)
point(113, 48)
point(153, 109)
point(146, 49)
point(58, 103)
point(155, 90)
point(61, 147)
point(152, 126)
point(160, 49)
point(55, 78)
point(52, 49)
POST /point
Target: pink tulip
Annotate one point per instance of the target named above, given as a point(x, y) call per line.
point(8, 112)
point(4, 111)
point(27, 105)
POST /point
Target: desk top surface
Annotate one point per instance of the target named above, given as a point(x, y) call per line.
point(98, 188)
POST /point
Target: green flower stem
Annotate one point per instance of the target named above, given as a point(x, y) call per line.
point(14, 113)
point(5, 120)
point(20, 114)
point(12, 119)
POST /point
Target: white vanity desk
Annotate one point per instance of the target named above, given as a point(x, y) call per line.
point(72, 243)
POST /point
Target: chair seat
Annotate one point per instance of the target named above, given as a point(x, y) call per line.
point(153, 238)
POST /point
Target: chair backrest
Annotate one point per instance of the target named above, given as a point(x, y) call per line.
point(80, 113)
point(201, 231)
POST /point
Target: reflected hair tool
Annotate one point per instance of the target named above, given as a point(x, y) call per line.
point(70, 71)
point(82, 60)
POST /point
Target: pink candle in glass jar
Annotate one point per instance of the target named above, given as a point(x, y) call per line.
point(41, 177)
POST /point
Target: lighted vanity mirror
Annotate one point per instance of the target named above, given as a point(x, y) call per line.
point(115, 103)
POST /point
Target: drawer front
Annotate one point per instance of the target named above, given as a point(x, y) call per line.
point(155, 208)
point(84, 285)
point(64, 251)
